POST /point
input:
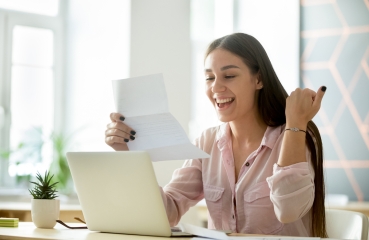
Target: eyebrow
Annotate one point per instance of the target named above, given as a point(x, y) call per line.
point(223, 68)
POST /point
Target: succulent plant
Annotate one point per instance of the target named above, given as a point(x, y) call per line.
point(44, 189)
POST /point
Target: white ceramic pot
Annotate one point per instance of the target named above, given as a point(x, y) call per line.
point(45, 212)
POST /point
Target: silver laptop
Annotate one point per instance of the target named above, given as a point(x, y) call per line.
point(119, 193)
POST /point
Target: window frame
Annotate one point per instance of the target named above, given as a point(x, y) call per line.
point(8, 20)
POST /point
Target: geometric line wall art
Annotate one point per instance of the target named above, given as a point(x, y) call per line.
point(334, 51)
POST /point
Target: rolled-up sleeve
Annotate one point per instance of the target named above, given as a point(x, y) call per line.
point(292, 190)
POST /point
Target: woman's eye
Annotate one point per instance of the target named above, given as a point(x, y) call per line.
point(209, 78)
point(229, 77)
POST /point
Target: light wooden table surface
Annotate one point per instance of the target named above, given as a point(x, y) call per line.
point(69, 211)
point(27, 230)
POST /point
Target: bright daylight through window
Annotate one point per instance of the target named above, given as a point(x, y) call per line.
point(28, 30)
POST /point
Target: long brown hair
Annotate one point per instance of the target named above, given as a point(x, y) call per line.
point(272, 104)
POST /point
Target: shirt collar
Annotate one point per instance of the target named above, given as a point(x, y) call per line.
point(271, 135)
point(269, 139)
point(223, 136)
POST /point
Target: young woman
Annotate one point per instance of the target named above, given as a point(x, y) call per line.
point(265, 173)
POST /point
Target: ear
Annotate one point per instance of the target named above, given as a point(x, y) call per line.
point(259, 82)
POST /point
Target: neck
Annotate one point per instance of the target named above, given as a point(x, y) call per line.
point(248, 130)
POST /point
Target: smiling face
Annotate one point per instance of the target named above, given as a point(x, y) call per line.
point(230, 86)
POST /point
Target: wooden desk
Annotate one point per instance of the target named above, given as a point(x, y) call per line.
point(27, 230)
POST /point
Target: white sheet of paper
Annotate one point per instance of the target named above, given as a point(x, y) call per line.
point(203, 232)
point(214, 234)
point(260, 238)
point(143, 102)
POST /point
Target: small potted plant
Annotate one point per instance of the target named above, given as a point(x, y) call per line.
point(45, 208)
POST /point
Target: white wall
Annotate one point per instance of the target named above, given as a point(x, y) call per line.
point(160, 43)
point(97, 46)
point(277, 27)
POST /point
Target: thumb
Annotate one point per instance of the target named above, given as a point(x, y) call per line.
point(319, 96)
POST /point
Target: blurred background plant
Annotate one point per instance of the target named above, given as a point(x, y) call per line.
point(59, 165)
point(26, 157)
point(40, 152)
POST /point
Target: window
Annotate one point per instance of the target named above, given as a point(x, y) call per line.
point(30, 52)
point(31, 85)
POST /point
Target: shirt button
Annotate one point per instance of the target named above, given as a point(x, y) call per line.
point(247, 164)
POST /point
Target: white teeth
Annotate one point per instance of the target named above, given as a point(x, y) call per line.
point(224, 100)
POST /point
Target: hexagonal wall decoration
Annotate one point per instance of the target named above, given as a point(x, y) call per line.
point(335, 53)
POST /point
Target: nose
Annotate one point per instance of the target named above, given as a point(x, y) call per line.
point(217, 86)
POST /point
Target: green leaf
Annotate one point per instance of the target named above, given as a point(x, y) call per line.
point(43, 189)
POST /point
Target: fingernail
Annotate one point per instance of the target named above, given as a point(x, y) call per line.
point(132, 137)
point(122, 118)
point(133, 132)
point(324, 88)
point(126, 140)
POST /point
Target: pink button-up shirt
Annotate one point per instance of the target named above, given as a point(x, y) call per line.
point(264, 196)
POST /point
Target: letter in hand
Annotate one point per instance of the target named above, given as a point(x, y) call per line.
point(118, 133)
point(302, 105)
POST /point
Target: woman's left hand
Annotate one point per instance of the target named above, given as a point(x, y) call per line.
point(302, 105)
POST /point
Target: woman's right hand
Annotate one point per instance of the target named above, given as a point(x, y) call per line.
point(118, 134)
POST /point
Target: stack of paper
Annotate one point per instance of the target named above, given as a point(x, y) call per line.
point(9, 222)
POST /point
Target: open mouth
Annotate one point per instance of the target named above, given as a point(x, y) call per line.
point(224, 102)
